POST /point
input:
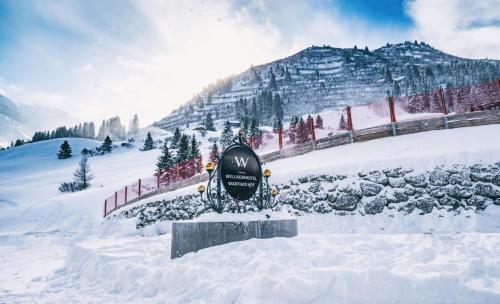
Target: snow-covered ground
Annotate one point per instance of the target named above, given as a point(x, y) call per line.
point(55, 247)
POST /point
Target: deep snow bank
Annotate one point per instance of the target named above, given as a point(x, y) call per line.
point(311, 268)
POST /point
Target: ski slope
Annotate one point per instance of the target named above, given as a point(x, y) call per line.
point(54, 247)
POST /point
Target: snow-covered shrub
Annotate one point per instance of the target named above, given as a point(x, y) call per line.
point(70, 187)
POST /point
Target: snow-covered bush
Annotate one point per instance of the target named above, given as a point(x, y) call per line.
point(81, 177)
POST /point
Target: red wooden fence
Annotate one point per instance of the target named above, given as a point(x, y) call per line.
point(157, 181)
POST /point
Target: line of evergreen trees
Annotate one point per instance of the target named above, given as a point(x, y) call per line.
point(266, 108)
point(111, 127)
point(85, 130)
point(180, 149)
point(300, 130)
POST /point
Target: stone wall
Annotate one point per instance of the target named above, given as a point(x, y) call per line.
point(453, 188)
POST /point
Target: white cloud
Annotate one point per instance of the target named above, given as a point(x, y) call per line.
point(467, 28)
point(176, 50)
point(54, 100)
point(197, 42)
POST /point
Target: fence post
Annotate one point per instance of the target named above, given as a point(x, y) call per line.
point(280, 141)
point(313, 131)
point(443, 101)
point(105, 203)
point(392, 114)
point(391, 109)
point(349, 124)
point(349, 119)
point(158, 179)
point(139, 194)
point(116, 199)
point(126, 194)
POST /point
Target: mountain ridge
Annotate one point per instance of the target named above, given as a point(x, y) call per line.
point(323, 77)
point(20, 121)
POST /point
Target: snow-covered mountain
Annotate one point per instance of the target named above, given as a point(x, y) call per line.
point(323, 78)
point(20, 121)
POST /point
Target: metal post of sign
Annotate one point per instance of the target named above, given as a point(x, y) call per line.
point(261, 192)
point(219, 185)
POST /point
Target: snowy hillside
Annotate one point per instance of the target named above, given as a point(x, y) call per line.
point(20, 121)
point(55, 247)
point(326, 78)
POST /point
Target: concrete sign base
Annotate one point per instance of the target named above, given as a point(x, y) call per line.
point(193, 236)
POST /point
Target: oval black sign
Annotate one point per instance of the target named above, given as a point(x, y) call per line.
point(240, 171)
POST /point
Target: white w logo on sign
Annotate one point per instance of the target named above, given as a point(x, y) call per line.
point(241, 162)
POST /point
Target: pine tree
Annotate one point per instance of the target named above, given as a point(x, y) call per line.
point(254, 113)
point(309, 123)
point(396, 90)
point(388, 75)
point(288, 76)
point(342, 123)
point(277, 124)
point(82, 175)
point(64, 150)
point(319, 122)
point(148, 143)
point(255, 134)
point(102, 131)
point(209, 122)
point(292, 133)
point(183, 152)
point(194, 153)
point(133, 128)
point(195, 150)
point(272, 82)
point(227, 136)
point(107, 145)
point(302, 132)
point(214, 154)
point(277, 108)
point(166, 159)
point(176, 138)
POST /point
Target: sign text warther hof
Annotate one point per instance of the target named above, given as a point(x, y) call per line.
point(240, 171)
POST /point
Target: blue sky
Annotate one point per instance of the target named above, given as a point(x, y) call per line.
point(96, 58)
